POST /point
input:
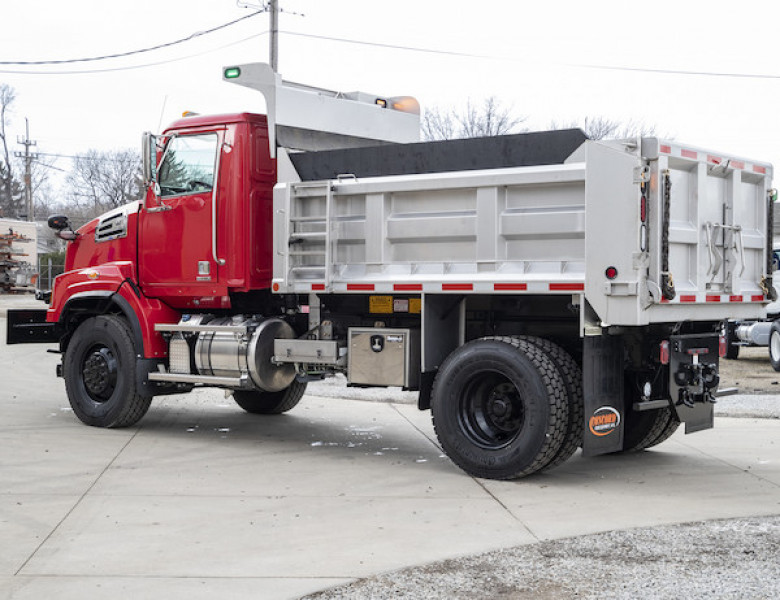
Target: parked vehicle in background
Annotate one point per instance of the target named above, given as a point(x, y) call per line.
point(763, 332)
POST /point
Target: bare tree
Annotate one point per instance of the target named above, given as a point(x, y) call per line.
point(101, 181)
point(488, 119)
point(8, 184)
point(601, 128)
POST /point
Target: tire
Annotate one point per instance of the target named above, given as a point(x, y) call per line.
point(774, 345)
point(668, 430)
point(732, 348)
point(647, 428)
point(100, 374)
point(572, 378)
point(270, 403)
point(499, 408)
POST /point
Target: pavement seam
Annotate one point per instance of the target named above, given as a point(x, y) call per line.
point(76, 504)
point(728, 464)
point(474, 479)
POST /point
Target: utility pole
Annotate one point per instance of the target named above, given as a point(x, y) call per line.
point(28, 158)
point(273, 11)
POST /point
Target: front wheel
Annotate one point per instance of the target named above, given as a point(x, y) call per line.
point(100, 374)
point(270, 403)
point(500, 408)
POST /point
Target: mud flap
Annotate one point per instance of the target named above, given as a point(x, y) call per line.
point(603, 391)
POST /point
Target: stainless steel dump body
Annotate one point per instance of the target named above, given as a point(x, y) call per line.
point(604, 225)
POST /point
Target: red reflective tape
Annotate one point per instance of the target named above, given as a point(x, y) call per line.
point(714, 159)
point(317, 287)
point(712, 298)
point(688, 298)
point(666, 149)
point(407, 287)
point(759, 169)
point(360, 287)
point(737, 164)
point(735, 298)
point(457, 287)
point(688, 154)
point(756, 298)
point(567, 287)
point(664, 300)
point(510, 287)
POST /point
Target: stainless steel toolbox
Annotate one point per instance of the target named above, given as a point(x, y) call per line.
point(380, 356)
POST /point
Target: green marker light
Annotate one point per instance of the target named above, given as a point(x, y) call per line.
point(232, 73)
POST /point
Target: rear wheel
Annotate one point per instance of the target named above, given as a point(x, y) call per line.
point(774, 346)
point(647, 428)
point(270, 403)
point(572, 378)
point(100, 373)
point(499, 408)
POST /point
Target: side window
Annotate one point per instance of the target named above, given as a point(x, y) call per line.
point(188, 166)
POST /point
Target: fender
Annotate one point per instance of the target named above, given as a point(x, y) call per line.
point(107, 287)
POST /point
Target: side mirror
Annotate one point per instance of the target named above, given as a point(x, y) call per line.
point(59, 223)
point(149, 158)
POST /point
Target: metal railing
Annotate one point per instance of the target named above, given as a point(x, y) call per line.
point(47, 271)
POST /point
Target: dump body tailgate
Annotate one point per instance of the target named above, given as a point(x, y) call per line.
point(683, 232)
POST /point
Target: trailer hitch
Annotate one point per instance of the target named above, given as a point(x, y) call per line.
point(696, 383)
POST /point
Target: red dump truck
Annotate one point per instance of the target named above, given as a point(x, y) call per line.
point(543, 292)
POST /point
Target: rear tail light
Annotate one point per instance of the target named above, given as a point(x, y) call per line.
point(663, 354)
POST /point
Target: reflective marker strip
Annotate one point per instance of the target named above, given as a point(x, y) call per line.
point(567, 287)
point(537, 288)
point(689, 154)
point(407, 287)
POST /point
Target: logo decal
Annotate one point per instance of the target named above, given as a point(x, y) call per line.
point(604, 421)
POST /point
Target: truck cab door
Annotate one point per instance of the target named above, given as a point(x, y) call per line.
point(176, 253)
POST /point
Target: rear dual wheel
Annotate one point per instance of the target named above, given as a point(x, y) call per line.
point(500, 408)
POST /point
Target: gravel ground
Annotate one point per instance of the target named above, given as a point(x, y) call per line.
point(731, 559)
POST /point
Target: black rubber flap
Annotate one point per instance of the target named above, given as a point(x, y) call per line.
point(520, 150)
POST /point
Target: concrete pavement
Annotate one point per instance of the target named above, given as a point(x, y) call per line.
point(203, 500)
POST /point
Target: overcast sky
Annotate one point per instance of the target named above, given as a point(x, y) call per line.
point(544, 59)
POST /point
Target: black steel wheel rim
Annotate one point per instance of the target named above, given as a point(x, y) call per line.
point(491, 411)
point(99, 371)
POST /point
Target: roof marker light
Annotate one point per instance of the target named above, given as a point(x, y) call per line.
point(232, 73)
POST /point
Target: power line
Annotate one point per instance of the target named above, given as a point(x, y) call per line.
point(355, 42)
point(193, 36)
point(494, 57)
point(133, 67)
